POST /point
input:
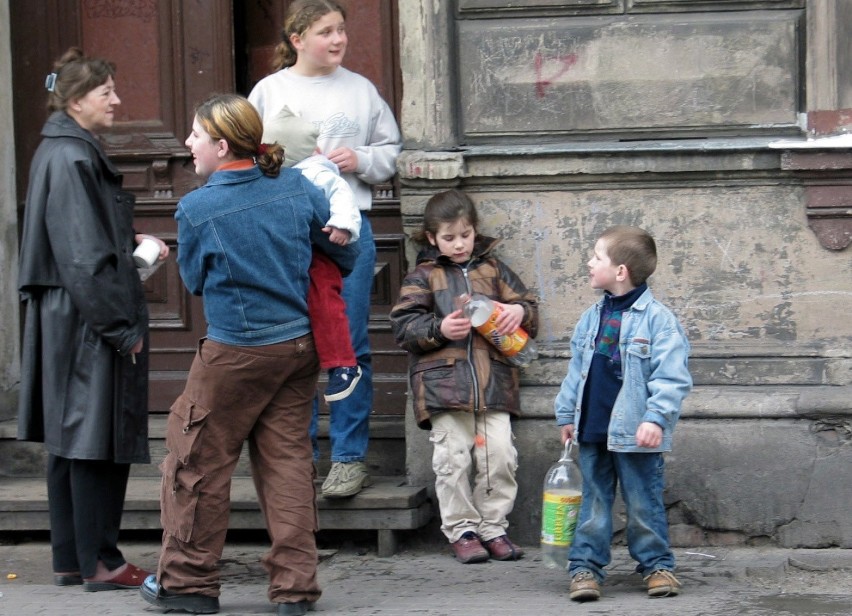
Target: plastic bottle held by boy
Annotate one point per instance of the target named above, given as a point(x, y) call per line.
point(518, 347)
point(563, 493)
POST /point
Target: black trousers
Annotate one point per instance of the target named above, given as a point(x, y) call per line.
point(86, 499)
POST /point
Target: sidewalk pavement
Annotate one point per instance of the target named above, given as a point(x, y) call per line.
point(730, 581)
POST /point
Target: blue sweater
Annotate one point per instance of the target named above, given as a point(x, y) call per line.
point(605, 372)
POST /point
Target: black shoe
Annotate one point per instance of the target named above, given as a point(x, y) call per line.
point(193, 603)
point(299, 608)
point(67, 579)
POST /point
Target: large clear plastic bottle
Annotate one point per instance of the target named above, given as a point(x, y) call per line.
point(518, 347)
point(563, 494)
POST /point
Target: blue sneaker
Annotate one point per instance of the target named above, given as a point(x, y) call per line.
point(341, 383)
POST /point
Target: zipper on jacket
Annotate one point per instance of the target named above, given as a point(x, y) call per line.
point(470, 347)
point(475, 381)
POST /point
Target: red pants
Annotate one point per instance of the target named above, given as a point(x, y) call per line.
point(327, 312)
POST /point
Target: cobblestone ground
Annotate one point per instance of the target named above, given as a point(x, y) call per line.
point(423, 581)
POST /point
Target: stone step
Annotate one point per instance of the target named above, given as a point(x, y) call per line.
point(387, 506)
point(385, 456)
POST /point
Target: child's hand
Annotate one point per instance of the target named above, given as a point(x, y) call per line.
point(510, 319)
point(337, 236)
point(567, 433)
point(649, 435)
point(455, 326)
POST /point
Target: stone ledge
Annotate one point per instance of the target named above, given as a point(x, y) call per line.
point(724, 402)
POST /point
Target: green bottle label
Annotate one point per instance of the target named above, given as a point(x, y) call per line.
point(559, 513)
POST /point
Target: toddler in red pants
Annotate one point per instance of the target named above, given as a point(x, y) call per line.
point(326, 307)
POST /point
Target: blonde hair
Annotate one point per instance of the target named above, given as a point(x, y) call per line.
point(232, 118)
point(300, 16)
point(74, 76)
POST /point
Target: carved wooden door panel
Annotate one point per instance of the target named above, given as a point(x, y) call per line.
point(373, 51)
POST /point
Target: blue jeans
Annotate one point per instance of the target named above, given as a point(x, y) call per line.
point(349, 429)
point(640, 477)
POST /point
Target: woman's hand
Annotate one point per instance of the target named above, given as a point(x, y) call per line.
point(567, 433)
point(345, 158)
point(164, 249)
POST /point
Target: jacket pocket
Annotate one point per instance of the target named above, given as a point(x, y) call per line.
point(502, 392)
point(185, 426)
point(179, 493)
point(638, 360)
point(437, 384)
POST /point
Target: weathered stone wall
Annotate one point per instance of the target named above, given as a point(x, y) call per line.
point(765, 439)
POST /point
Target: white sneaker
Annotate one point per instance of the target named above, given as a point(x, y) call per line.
point(345, 479)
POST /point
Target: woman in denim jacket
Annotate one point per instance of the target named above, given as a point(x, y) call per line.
point(244, 244)
point(627, 378)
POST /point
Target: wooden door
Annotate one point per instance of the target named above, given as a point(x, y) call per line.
point(169, 55)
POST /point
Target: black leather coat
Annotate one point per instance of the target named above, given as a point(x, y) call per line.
point(81, 393)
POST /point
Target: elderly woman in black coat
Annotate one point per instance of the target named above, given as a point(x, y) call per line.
point(84, 367)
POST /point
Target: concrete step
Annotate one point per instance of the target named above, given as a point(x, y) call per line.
point(387, 506)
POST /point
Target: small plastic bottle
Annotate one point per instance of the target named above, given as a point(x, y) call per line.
point(563, 494)
point(518, 347)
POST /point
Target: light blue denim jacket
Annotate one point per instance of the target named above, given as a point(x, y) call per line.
point(654, 351)
point(244, 244)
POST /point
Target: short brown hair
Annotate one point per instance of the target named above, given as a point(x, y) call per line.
point(76, 76)
point(634, 248)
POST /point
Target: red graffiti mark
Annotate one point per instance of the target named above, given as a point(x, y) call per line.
point(542, 82)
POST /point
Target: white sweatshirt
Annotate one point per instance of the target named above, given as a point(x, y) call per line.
point(349, 112)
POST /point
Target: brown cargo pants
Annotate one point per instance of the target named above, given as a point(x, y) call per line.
point(263, 394)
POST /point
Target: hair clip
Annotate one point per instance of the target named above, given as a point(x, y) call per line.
point(50, 82)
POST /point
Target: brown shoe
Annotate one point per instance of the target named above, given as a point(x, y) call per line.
point(584, 587)
point(501, 548)
point(469, 549)
point(662, 583)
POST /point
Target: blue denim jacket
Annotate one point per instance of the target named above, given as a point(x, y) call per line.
point(244, 244)
point(654, 351)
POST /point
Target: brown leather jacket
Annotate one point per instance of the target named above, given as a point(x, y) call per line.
point(458, 375)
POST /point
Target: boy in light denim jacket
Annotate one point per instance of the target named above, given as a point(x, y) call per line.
point(627, 378)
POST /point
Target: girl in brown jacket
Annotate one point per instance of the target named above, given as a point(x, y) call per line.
point(463, 389)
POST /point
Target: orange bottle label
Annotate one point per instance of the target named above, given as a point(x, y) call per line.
point(510, 344)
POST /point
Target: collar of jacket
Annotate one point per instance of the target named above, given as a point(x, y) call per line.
point(60, 124)
point(641, 302)
point(482, 247)
point(234, 176)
